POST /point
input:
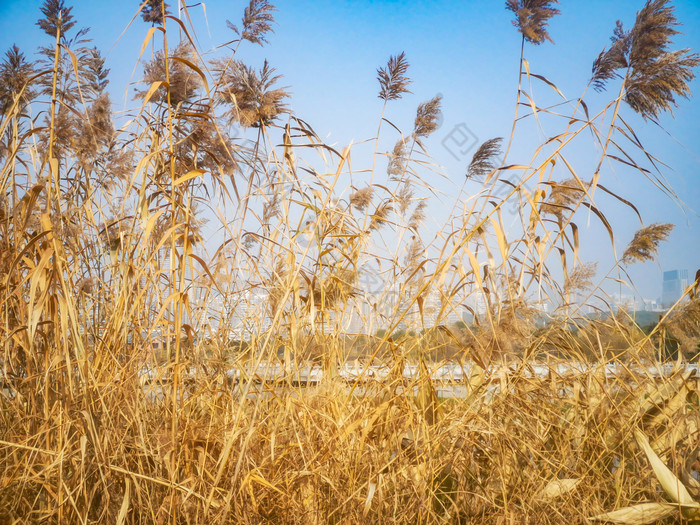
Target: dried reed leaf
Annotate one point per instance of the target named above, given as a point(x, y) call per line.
point(639, 514)
point(477, 378)
point(124, 509)
point(188, 176)
point(426, 399)
point(677, 433)
point(603, 219)
point(673, 486)
point(670, 409)
point(371, 490)
point(154, 87)
point(556, 488)
point(548, 82)
point(663, 393)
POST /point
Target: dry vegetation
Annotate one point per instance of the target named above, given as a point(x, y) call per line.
point(130, 342)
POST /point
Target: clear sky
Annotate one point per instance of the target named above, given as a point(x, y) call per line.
point(329, 50)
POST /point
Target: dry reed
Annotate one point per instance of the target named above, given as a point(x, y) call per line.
point(150, 377)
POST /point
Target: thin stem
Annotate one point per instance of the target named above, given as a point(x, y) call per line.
point(517, 103)
point(53, 167)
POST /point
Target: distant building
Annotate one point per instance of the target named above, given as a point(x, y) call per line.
point(635, 304)
point(649, 305)
point(674, 284)
point(542, 306)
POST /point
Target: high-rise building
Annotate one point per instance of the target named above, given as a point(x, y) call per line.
point(675, 283)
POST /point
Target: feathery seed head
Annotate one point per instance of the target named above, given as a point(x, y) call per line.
point(397, 159)
point(152, 12)
point(654, 76)
point(57, 17)
point(561, 196)
point(581, 278)
point(418, 216)
point(15, 72)
point(380, 215)
point(361, 198)
point(393, 79)
point(532, 17)
point(427, 118)
point(184, 82)
point(483, 160)
point(254, 100)
point(257, 20)
point(645, 244)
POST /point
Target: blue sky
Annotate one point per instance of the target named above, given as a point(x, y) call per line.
point(329, 50)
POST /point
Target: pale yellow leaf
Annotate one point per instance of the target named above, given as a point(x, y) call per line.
point(556, 488)
point(153, 89)
point(639, 514)
point(121, 518)
point(371, 490)
point(188, 176)
point(194, 68)
point(671, 484)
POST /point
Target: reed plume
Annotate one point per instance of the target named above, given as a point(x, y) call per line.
point(654, 76)
point(581, 278)
point(360, 199)
point(253, 99)
point(15, 72)
point(95, 73)
point(398, 159)
point(57, 17)
point(532, 18)
point(484, 160)
point(561, 197)
point(609, 61)
point(257, 22)
point(403, 196)
point(417, 216)
point(645, 244)
point(393, 81)
point(152, 12)
point(427, 117)
point(184, 82)
point(206, 147)
point(381, 215)
point(94, 133)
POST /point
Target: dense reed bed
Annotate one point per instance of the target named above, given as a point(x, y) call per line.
point(153, 263)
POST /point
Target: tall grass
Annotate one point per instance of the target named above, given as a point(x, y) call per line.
point(166, 285)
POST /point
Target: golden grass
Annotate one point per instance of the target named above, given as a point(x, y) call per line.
point(150, 275)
